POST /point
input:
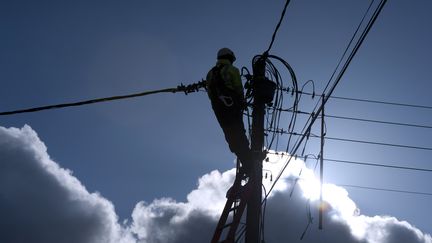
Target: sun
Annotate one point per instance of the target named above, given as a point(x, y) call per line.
point(334, 197)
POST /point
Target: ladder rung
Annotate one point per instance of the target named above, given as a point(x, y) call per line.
point(234, 208)
point(227, 225)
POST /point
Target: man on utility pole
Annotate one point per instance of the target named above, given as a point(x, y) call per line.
point(225, 90)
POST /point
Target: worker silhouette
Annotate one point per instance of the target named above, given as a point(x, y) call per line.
point(225, 90)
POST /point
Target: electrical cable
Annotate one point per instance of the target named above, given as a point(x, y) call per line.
point(365, 120)
point(348, 46)
point(263, 213)
point(359, 141)
point(180, 88)
point(378, 165)
point(370, 100)
point(386, 189)
point(277, 26)
point(386, 165)
point(378, 143)
point(380, 121)
point(337, 66)
point(330, 92)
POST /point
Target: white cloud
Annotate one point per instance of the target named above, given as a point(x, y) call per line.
point(41, 202)
point(166, 220)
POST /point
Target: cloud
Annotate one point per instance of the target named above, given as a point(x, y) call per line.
point(165, 220)
point(41, 202)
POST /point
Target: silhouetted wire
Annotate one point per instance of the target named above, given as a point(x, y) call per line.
point(348, 46)
point(386, 165)
point(359, 141)
point(279, 97)
point(330, 92)
point(339, 63)
point(263, 213)
point(378, 165)
point(87, 102)
point(371, 101)
point(195, 87)
point(378, 143)
point(241, 235)
point(325, 98)
point(277, 26)
point(386, 189)
point(365, 120)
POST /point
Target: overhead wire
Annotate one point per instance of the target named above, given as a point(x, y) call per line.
point(181, 88)
point(348, 46)
point(308, 126)
point(363, 163)
point(386, 189)
point(365, 120)
point(378, 165)
point(357, 141)
point(338, 65)
point(276, 116)
point(369, 100)
point(379, 143)
point(278, 26)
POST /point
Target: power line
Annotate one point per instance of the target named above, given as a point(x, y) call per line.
point(330, 92)
point(344, 68)
point(281, 131)
point(382, 102)
point(378, 165)
point(349, 44)
point(353, 51)
point(277, 26)
point(387, 165)
point(363, 141)
point(379, 121)
point(368, 100)
point(364, 120)
point(386, 189)
point(378, 143)
point(181, 88)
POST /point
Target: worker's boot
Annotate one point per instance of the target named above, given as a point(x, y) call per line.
point(235, 190)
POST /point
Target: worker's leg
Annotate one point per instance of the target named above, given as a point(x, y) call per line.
point(235, 135)
point(231, 122)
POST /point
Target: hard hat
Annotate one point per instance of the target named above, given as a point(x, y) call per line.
point(226, 53)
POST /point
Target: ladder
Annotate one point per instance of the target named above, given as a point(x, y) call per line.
point(237, 198)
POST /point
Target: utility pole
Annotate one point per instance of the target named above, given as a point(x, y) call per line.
point(263, 92)
point(250, 194)
point(321, 208)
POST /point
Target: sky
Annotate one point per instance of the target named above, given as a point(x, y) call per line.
point(127, 158)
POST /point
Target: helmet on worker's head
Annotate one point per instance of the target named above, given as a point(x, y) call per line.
point(226, 53)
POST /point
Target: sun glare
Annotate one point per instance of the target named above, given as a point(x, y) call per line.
point(334, 197)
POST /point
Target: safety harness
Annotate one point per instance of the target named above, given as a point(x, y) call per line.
point(221, 95)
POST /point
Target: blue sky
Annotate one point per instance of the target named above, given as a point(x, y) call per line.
point(158, 146)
